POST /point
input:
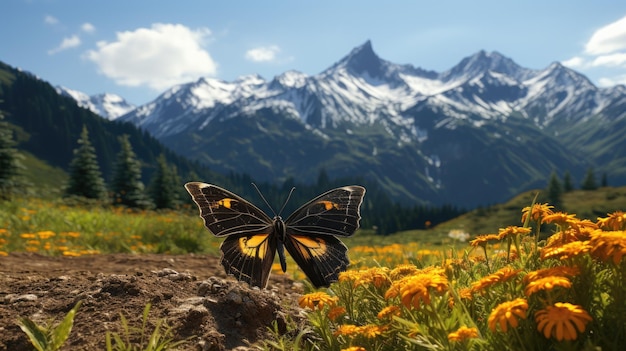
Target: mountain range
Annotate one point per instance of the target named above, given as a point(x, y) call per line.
point(109, 106)
point(478, 133)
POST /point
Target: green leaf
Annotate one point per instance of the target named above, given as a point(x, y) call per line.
point(35, 333)
point(62, 331)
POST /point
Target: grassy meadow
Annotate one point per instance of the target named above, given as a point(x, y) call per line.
point(504, 277)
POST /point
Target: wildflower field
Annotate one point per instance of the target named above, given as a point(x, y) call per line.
point(553, 282)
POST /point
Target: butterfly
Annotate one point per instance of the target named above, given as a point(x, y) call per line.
point(253, 238)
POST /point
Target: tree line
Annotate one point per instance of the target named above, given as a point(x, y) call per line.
point(557, 187)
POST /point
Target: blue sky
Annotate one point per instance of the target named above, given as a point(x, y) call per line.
point(139, 48)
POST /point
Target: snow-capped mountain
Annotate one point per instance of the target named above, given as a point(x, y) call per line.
point(109, 106)
point(362, 88)
point(412, 129)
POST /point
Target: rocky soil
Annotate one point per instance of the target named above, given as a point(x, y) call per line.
point(190, 292)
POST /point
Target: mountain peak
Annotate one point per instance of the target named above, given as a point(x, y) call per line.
point(482, 62)
point(363, 59)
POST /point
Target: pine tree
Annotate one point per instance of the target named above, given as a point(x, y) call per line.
point(85, 176)
point(11, 176)
point(126, 185)
point(568, 184)
point(554, 191)
point(604, 182)
point(589, 183)
point(163, 187)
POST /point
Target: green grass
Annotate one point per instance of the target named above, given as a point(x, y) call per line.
point(585, 204)
point(58, 227)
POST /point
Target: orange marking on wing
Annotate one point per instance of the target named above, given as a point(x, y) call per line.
point(316, 246)
point(329, 205)
point(254, 246)
point(225, 202)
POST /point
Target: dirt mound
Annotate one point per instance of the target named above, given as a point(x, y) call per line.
point(191, 292)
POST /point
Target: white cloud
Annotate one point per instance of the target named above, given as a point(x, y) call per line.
point(609, 82)
point(612, 60)
point(608, 39)
point(158, 57)
point(88, 27)
point(575, 62)
point(50, 20)
point(67, 43)
point(263, 54)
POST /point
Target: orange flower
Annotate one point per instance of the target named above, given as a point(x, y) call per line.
point(347, 330)
point(317, 300)
point(562, 219)
point(336, 312)
point(614, 221)
point(559, 271)
point(608, 246)
point(417, 289)
point(512, 231)
point(500, 276)
point(354, 348)
point(547, 283)
point(483, 240)
point(563, 321)
point(371, 331)
point(538, 212)
point(566, 251)
point(402, 271)
point(388, 312)
point(463, 333)
point(507, 314)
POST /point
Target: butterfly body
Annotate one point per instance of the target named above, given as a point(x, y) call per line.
point(253, 238)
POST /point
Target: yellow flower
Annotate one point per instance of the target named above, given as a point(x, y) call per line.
point(4, 253)
point(546, 283)
point(500, 276)
point(483, 240)
point(376, 276)
point(336, 312)
point(347, 330)
point(317, 300)
point(371, 330)
point(563, 321)
point(463, 333)
point(559, 271)
point(539, 211)
point(512, 231)
point(465, 294)
point(614, 221)
point(608, 246)
point(388, 312)
point(71, 253)
point(507, 314)
point(47, 234)
point(402, 271)
point(28, 236)
point(561, 218)
point(565, 251)
point(354, 348)
point(417, 289)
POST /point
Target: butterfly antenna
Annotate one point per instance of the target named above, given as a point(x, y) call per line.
point(263, 197)
point(288, 197)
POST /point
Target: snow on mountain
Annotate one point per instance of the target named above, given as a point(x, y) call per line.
point(109, 106)
point(362, 88)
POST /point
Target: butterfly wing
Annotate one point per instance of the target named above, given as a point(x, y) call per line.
point(312, 228)
point(249, 258)
point(249, 249)
point(225, 213)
